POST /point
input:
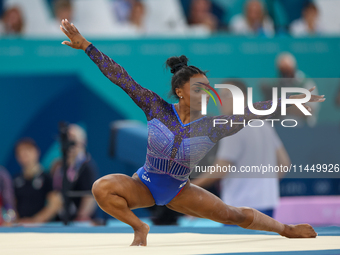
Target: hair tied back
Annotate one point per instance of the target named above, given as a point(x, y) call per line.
point(177, 67)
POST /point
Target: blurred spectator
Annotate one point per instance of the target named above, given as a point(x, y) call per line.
point(35, 199)
point(204, 10)
point(123, 9)
point(7, 213)
point(253, 21)
point(148, 17)
point(328, 16)
point(309, 23)
point(290, 76)
point(63, 9)
point(252, 146)
point(28, 18)
point(284, 12)
point(12, 22)
point(165, 17)
point(131, 14)
point(137, 15)
point(201, 14)
point(92, 18)
point(81, 173)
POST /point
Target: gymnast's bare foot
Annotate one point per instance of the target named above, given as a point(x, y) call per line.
point(140, 235)
point(299, 231)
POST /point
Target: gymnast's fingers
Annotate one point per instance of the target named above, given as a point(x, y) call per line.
point(311, 89)
point(65, 31)
point(68, 26)
point(74, 28)
point(67, 43)
point(308, 108)
point(316, 98)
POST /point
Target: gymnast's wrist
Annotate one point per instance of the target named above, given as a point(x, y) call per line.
point(85, 44)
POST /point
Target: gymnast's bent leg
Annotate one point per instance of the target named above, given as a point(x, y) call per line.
point(117, 194)
point(194, 200)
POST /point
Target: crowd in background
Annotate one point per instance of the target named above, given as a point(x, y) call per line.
point(109, 18)
point(35, 194)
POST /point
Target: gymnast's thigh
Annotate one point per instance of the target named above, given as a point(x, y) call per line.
point(132, 189)
point(194, 200)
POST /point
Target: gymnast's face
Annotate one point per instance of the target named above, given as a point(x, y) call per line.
point(192, 92)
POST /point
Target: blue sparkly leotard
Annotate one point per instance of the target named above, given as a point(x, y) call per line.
point(174, 148)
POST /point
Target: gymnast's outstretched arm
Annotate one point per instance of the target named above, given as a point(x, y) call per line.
point(146, 99)
point(220, 131)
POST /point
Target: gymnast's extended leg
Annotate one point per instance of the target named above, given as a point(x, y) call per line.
point(194, 200)
point(117, 194)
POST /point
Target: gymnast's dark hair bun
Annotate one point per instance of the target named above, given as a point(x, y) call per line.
point(177, 63)
point(182, 72)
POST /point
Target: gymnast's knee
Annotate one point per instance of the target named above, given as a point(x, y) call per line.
point(100, 189)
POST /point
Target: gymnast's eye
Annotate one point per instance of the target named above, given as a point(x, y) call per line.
point(197, 90)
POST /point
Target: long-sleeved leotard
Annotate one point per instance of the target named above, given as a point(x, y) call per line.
point(173, 148)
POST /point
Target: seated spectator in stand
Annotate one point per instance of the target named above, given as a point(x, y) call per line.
point(12, 22)
point(309, 23)
point(290, 76)
point(36, 201)
point(136, 17)
point(130, 14)
point(284, 12)
point(63, 10)
point(122, 9)
point(7, 213)
point(200, 14)
point(81, 173)
point(163, 17)
point(254, 21)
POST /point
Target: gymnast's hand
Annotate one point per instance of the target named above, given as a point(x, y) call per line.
point(77, 40)
point(314, 98)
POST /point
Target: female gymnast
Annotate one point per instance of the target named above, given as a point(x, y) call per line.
point(178, 138)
